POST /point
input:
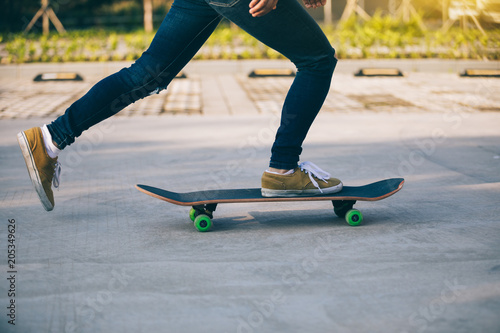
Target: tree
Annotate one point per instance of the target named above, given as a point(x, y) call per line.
point(148, 15)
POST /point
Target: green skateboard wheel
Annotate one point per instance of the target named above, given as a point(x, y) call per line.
point(203, 223)
point(354, 217)
point(192, 214)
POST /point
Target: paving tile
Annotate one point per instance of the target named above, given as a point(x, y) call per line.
point(236, 94)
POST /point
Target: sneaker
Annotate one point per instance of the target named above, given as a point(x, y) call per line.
point(306, 179)
point(44, 171)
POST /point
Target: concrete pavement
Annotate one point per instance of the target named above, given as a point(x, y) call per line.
point(111, 259)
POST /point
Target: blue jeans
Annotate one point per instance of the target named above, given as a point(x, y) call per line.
point(288, 29)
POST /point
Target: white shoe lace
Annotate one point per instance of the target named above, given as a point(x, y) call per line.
point(57, 175)
point(312, 169)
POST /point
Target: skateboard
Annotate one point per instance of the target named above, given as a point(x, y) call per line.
point(204, 203)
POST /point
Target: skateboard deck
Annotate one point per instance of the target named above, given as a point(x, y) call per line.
point(204, 203)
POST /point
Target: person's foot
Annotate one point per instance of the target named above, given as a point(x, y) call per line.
point(43, 170)
point(306, 179)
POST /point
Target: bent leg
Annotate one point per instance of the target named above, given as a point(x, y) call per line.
point(290, 30)
point(186, 27)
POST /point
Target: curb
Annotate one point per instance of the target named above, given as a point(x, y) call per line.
point(244, 67)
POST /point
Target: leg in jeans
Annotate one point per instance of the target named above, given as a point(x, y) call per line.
point(186, 27)
point(184, 30)
point(290, 30)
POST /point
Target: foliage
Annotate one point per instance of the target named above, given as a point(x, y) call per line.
point(386, 37)
point(380, 37)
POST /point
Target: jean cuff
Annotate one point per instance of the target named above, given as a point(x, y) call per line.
point(284, 166)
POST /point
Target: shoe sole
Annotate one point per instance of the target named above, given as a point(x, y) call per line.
point(300, 193)
point(33, 171)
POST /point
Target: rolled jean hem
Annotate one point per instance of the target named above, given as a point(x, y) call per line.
point(284, 166)
point(55, 138)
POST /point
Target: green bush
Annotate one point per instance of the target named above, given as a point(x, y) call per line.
point(380, 37)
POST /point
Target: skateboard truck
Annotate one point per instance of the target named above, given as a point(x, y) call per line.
point(202, 216)
point(343, 209)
